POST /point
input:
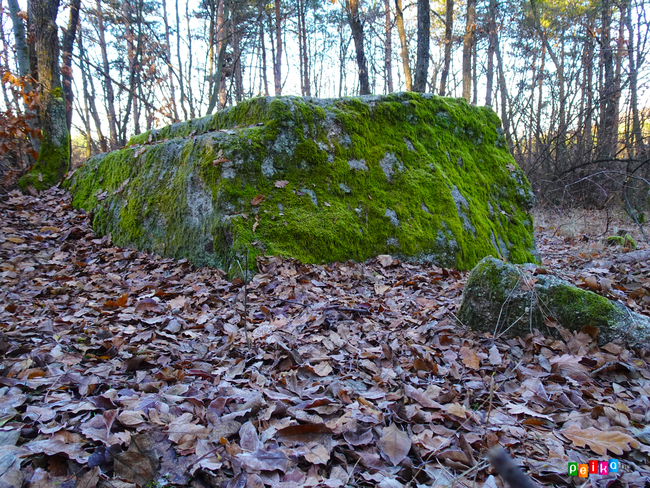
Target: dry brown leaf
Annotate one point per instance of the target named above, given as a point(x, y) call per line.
point(119, 302)
point(495, 356)
point(322, 369)
point(385, 260)
point(380, 288)
point(469, 357)
point(600, 441)
point(281, 183)
point(591, 281)
point(257, 200)
point(266, 460)
point(456, 409)
point(394, 444)
point(147, 305)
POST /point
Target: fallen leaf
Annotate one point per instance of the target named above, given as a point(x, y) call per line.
point(380, 288)
point(281, 183)
point(266, 460)
point(385, 260)
point(394, 444)
point(600, 441)
point(257, 200)
point(470, 359)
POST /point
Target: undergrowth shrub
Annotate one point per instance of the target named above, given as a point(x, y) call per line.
point(18, 133)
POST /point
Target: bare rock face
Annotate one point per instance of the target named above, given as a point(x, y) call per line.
point(508, 300)
point(416, 176)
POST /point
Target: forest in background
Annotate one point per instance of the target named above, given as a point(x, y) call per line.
point(568, 79)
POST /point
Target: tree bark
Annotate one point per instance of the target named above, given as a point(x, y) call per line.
point(108, 84)
point(422, 60)
point(181, 84)
point(168, 61)
point(399, 17)
point(54, 157)
point(352, 7)
point(492, 39)
point(606, 128)
point(388, 49)
point(190, 95)
point(505, 120)
point(20, 39)
point(305, 51)
point(468, 43)
point(449, 26)
point(218, 88)
point(66, 56)
point(277, 65)
point(636, 136)
point(263, 50)
point(89, 95)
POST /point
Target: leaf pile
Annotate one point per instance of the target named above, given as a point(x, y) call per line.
point(123, 369)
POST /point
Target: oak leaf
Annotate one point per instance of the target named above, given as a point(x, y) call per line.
point(600, 441)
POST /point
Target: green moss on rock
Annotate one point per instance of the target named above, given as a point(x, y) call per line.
point(412, 175)
point(503, 299)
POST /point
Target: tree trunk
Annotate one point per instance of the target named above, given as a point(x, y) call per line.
point(399, 17)
point(168, 53)
point(505, 120)
point(108, 84)
point(54, 157)
point(636, 136)
point(352, 7)
point(181, 84)
point(263, 50)
point(492, 39)
point(89, 95)
point(588, 70)
point(236, 54)
point(606, 129)
point(66, 56)
point(22, 50)
point(277, 65)
point(218, 88)
point(305, 51)
point(388, 49)
point(190, 95)
point(449, 26)
point(422, 60)
point(468, 43)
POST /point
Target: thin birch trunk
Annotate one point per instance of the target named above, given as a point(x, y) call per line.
point(399, 17)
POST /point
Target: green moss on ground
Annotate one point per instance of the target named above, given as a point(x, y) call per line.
point(412, 175)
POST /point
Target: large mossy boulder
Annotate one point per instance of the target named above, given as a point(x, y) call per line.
point(507, 300)
point(416, 176)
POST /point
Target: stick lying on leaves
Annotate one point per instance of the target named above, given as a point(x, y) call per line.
point(509, 471)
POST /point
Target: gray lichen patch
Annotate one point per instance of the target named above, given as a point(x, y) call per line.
point(462, 206)
point(392, 215)
point(389, 164)
point(312, 195)
point(359, 165)
point(345, 188)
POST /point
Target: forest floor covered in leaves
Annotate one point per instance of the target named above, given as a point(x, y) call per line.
point(124, 369)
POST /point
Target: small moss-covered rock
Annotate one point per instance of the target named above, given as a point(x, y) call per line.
point(416, 176)
point(507, 300)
